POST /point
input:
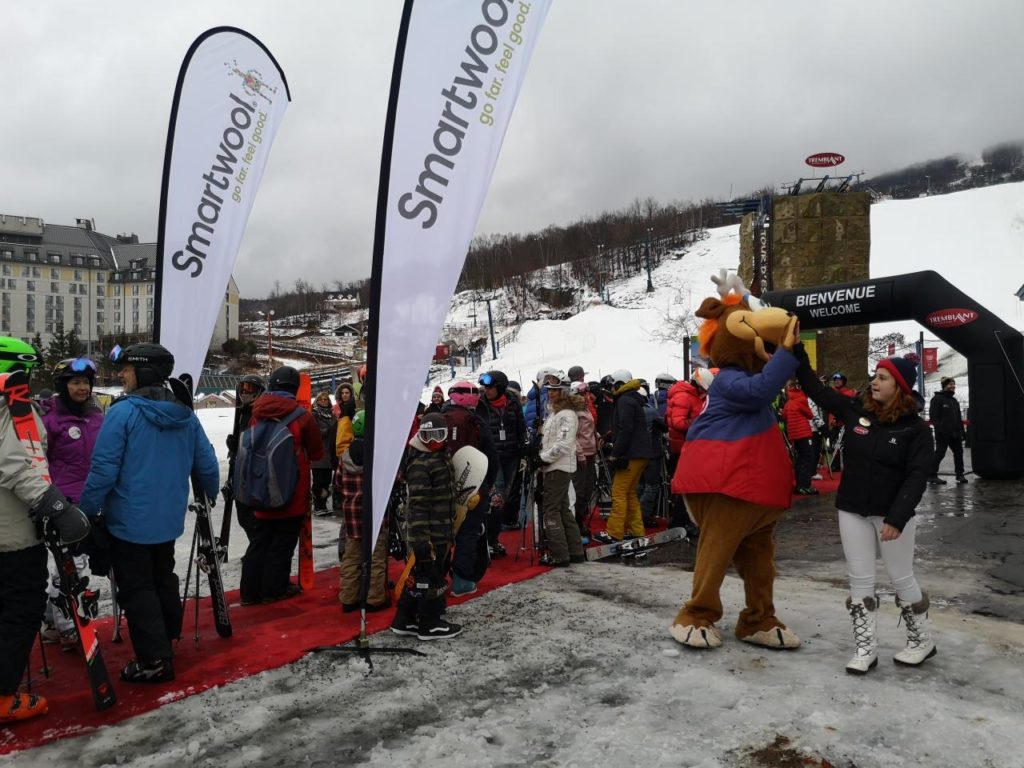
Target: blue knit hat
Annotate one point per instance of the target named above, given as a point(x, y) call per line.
point(904, 371)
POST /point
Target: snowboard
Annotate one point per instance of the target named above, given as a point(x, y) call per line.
point(14, 389)
point(470, 467)
point(304, 397)
point(207, 556)
point(633, 547)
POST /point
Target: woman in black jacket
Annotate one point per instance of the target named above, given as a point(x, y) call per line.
point(887, 452)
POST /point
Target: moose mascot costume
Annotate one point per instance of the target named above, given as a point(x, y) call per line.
point(734, 471)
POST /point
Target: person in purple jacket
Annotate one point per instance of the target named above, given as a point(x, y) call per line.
point(72, 419)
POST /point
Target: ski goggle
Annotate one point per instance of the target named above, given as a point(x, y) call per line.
point(433, 434)
point(463, 391)
point(836, 377)
point(115, 353)
point(487, 380)
point(248, 388)
point(81, 365)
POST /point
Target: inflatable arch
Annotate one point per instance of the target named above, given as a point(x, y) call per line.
point(994, 350)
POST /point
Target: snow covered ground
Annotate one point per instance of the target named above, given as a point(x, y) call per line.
point(576, 668)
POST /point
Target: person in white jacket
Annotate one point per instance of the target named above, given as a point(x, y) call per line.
point(558, 463)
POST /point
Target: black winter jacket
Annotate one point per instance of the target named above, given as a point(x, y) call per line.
point(944, 414)
point(508, 421)
point(631, 438)
point(886, 466)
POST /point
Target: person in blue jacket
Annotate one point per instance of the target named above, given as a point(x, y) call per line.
point(147, 450)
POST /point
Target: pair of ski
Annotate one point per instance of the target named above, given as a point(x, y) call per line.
point(205, 547)
point(14, 388)
point(637, 548)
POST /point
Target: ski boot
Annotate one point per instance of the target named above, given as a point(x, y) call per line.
point(21, 706)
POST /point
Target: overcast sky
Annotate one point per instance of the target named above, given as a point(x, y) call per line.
point(675, 99)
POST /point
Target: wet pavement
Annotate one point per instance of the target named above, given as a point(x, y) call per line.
point(970, 545)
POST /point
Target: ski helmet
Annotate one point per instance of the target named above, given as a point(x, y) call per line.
point(576, 373)
point(359, 423)
point(620, 377)
point(664, 380)
point(514, 388)
point(465, 394)
point(153, 363)
point(69, 369)
point(433, 429)
point(607, 382)
point(839, 376)
point(703, 378)
point(16, 355)
point(557, 380)
point(285, 379)
point(250, 385)
point(545, 372)
point(495, 379)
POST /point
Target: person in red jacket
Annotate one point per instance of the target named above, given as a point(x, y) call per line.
point(686, 400)
point(267, 565)
point(798, 415)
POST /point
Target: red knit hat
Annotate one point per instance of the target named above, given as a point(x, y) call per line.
point(904, 371)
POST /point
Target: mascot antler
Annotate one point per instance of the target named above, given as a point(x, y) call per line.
point(727, 281)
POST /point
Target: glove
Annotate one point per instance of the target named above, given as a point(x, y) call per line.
point(232, 443)
point(497, 500)
point(619, 462)
point(71, 523)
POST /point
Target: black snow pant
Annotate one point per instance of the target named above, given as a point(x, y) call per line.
point(23, 577)
point(504, 481)
point(464, 563)
point(805, 463)
point(583, 483)
point(267, 564)
point(147, 590)
point(246, 519)
point(321, 487)
point(955, 443)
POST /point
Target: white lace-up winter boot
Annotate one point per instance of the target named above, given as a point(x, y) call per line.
point(863, 614)
point(919, 642)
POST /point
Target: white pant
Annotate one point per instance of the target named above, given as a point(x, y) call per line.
point(862, 545)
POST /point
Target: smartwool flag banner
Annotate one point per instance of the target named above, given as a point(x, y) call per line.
point(229, 101)
point(458, 69)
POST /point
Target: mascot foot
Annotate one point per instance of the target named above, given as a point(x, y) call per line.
point(777, 638)
point(696, 637)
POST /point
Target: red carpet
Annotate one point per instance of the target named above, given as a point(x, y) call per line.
point(265, 637)
point(825, 485)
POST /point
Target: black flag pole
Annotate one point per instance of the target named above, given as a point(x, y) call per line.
point(361, 644)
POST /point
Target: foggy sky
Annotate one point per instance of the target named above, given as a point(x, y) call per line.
point(672, 99)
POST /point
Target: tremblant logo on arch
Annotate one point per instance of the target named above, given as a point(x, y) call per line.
point(951, 318)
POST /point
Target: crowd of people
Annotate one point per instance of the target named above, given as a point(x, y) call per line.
point(120, 483)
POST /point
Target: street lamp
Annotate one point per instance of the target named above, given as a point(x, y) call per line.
point(600, 270)
point(650, 285)
point(270, 339)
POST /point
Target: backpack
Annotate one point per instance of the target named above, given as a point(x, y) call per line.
point(267, 467)
point(463, 429)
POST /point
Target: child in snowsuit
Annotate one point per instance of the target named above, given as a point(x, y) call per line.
point(430, 516)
